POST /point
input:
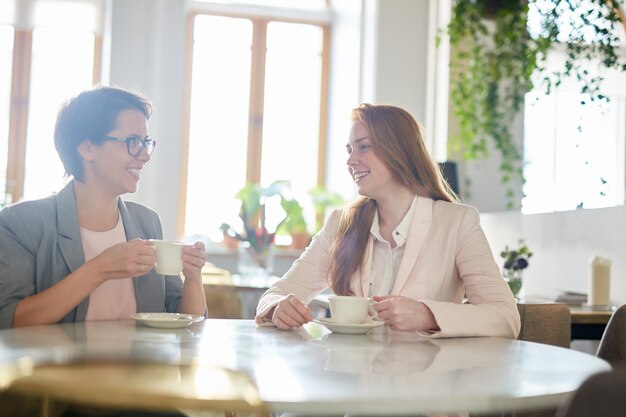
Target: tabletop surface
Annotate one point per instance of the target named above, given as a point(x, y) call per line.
point(584, 315)
point(312, 370)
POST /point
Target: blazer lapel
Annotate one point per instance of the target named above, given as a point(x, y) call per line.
point(131, 228)
point(68, 228)
point(69, 242)
point(420, 224)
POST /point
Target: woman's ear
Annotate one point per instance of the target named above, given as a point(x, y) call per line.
point(86, 149)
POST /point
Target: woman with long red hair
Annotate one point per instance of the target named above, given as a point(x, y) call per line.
point(406, 242)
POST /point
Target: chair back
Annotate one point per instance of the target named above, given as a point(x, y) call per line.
point(14, 368)
point(601, 395)
point(222, 299)
point(142, 386)
point(612, 346)
point(550, 324)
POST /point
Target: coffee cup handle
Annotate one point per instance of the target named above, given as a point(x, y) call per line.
point(371, 311)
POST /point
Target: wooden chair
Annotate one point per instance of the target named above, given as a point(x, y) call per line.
point(101, 387)
point(550, 324)
point(601, 395)
point(13, 369)
point(612, 346)
point(221, 296)
point(10, 371)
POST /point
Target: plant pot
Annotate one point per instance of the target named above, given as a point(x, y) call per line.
point(515, 279)
point(230, 242)
point(300, 240)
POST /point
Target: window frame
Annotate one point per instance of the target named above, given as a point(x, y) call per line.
point(19, 103)
point(260, 21)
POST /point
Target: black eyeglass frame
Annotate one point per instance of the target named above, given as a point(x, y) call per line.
point(147, 143)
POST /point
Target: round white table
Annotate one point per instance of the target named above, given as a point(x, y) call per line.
point(310, 370)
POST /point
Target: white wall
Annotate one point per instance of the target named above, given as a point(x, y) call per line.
point(563, 243)
point(147, 39)
point(402, 51)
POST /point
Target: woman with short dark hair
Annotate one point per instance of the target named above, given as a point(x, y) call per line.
point(84, 253)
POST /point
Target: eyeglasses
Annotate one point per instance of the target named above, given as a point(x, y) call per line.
point(134, 144)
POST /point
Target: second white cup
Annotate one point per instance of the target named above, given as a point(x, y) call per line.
point(169, 256)
point(349, 309)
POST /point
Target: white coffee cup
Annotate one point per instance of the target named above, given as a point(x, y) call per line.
point(169, 256)
point(349, 309)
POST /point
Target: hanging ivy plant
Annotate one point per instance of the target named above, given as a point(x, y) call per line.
point(495, 61)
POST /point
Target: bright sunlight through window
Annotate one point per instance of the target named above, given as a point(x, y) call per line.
point(56, 74)
point(221, 96)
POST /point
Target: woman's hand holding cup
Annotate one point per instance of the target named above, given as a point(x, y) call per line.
point(124, 260)
point(194, 258)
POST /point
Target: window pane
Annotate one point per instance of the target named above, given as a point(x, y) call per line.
point(291, 109)
point(572, 16)
point(574, 152)
point(218, 123)
point(62, 66)
point(6, 63)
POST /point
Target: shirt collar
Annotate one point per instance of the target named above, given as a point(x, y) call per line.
point(400, 233)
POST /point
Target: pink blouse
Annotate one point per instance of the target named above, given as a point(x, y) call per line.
point(114, 299)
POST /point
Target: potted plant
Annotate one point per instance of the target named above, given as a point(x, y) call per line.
point(255, 240)
point(495, 61)
point(323, 200)
point(294, 223)
point(515, 261)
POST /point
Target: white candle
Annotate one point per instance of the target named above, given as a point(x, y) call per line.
point(599, 282)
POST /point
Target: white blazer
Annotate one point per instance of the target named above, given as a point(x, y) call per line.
point(446, 257)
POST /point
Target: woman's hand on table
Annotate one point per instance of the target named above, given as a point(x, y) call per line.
point(194, 258)
point(405, 314)
point(290, 313)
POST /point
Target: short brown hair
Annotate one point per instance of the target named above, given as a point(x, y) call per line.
point(91, 115)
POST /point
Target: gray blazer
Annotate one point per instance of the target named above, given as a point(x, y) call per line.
point(40, 245)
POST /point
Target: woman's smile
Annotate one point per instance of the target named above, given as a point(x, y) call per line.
point(359, 175)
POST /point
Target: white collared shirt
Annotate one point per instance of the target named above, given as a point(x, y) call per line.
point(385, 260)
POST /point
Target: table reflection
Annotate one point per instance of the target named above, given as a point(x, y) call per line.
point(310, 369)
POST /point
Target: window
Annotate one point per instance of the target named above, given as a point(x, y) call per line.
point(573, 152)
point(256, 113)
point(56, 73)
point(43, 64)
point(574, 148)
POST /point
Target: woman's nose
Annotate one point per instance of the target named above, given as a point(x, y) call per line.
point(351, 161)
point(143, 155)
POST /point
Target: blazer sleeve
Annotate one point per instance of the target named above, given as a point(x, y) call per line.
point(307, 277)
point(17, 266)
point(491, 309)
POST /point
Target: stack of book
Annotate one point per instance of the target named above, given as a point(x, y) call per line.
point(572, 298)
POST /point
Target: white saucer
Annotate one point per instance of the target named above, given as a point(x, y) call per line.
point(166, 320)
point(346, 328)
